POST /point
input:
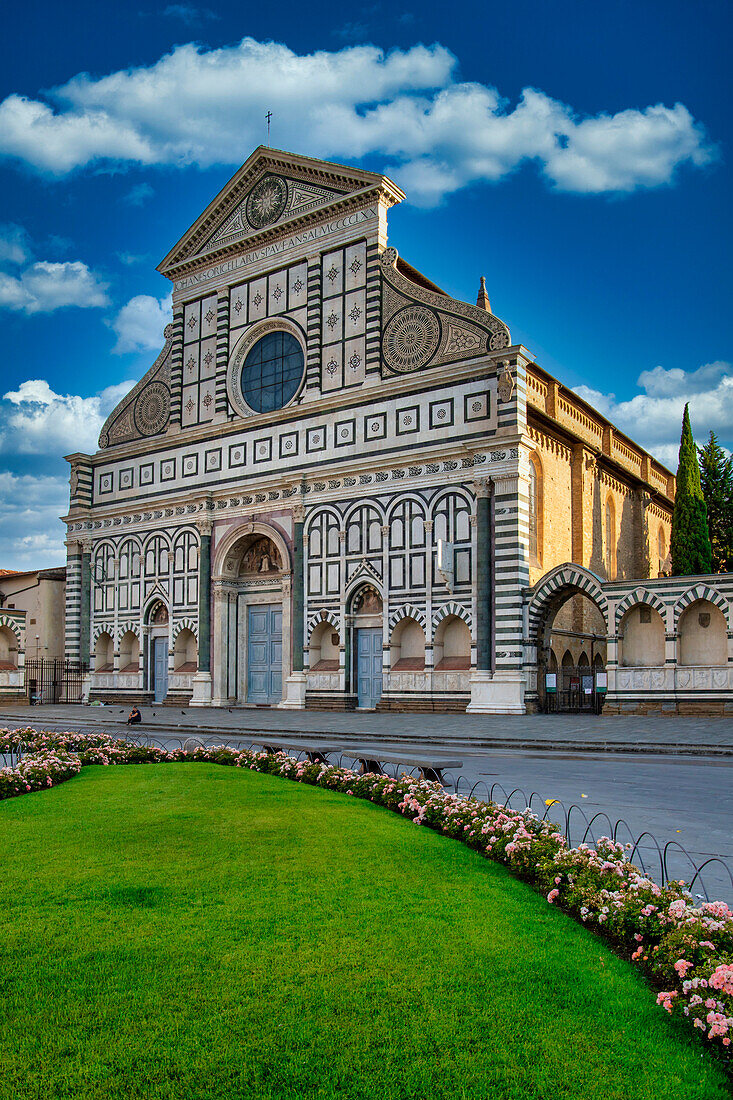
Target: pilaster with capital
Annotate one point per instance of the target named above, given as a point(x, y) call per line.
point(85, 603)
point(484, 575)
point(298, 581)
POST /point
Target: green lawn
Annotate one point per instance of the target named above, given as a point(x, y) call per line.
point(196, 931)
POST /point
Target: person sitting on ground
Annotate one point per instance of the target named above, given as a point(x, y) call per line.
point(135, 717)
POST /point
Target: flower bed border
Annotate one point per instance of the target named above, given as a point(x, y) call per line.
point(686, 951)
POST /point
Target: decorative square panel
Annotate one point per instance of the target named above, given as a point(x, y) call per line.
point(237, 454)
point(315, 439)
point(298, 286)
point(355, 314)
point(477, 406)
point(277, 296)
point(375, 427)
point(105, 483)
point(191, 322)
point(191, 363)
point(207, 358)
point(207, 398)
point(408, 420)
point(190, 405)
point(263, 450)
point(212, 460)
point(288, 445)
point(257, 299)
point(441, 414)
point(167, 469)
point(333, 320)
point(331, 373)
point(355, 266)
point(354, 360)
point(332, 276)
point(344, 433)
point(237, 306)
point(190, 465)
point(208, 316)
point(127, 477)
point(147, 474)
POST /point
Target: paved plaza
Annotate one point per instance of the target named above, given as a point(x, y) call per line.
point(670, 776)
point(575, 731)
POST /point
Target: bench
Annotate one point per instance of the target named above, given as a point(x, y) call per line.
point(315, 756)
point(430, 770)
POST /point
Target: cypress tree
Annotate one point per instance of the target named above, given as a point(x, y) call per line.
point(716, 479)
point(690, 539)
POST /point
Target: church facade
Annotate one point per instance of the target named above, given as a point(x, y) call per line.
point(336, 485)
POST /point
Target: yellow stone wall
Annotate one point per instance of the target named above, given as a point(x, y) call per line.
point(585, 465)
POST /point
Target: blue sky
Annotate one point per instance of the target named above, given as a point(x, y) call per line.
point(577, 155)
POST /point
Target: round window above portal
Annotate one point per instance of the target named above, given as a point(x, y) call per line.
point(272, 372)
point(267, 368)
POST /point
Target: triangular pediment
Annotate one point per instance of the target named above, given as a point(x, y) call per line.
point(272, 189)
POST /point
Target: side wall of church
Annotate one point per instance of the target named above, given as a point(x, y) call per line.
point(604, 507)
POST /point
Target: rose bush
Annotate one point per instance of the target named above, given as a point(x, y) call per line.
point(686, 949)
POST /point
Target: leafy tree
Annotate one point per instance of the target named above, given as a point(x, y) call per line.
point(716, 479)
point(690, 538)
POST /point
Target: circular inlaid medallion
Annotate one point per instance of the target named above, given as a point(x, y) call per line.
point(411, 338)
point(266, 201)
point(152, 409)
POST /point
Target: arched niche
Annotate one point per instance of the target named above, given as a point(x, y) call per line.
point(129, 652)
point(452, 645)
point(185, 651)
point(104, 653)
point(407, 646)
point(702, 635)
point(324, 648)
point(8, 649)
point(641, 638)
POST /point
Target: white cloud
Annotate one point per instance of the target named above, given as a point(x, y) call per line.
point(654, 418)
point(139, 194)
point(14, 244)
point(44, 287)
point(139, 324)
point(31, 534)
point(34, 420)
point(436, 134)
point(189, 14)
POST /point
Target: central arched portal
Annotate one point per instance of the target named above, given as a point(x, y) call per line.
point(568, 633)
point(251, 657)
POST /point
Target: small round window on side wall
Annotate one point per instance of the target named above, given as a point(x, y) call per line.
point(272, 372)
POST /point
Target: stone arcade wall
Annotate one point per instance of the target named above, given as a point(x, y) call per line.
point(669, 640)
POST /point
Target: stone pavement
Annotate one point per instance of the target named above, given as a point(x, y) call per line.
point(541, 732)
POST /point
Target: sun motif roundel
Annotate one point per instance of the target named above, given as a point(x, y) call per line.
point(411, 339)
point(266, 201)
